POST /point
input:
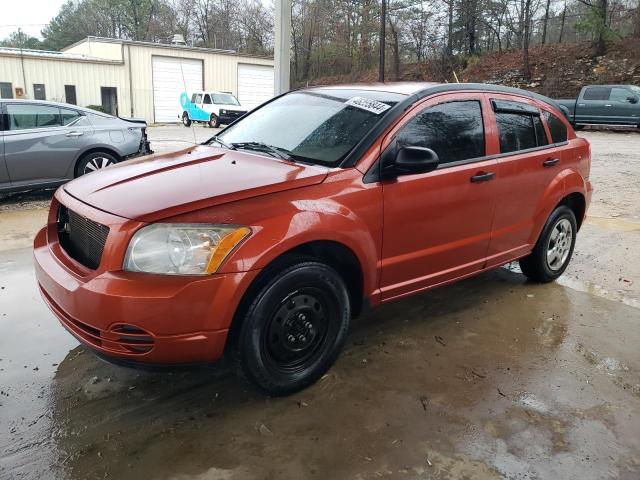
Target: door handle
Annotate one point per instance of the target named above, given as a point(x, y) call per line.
point(608, 105)
point(74, 134)
point(483, 177)
point(550, 162)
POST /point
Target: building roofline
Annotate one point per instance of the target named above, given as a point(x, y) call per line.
point(53, 55)
point(185, 48)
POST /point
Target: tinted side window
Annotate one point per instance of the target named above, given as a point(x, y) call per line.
point(596, 93)
point(516, 132)
point(207, 99)
point(193, 98)
point(32, 116)
point(453, 130)
point(69, 116)
point(541, 135)
point(556, 128)
point(198, 98)
point(620, 95)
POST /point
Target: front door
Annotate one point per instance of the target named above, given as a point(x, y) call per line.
point(437, 225)
point(42, 142)
point(622, 110)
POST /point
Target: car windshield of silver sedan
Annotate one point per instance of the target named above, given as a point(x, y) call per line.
point(318, 126)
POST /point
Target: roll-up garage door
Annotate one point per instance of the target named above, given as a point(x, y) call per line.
point(255, 84)
point(171, 77)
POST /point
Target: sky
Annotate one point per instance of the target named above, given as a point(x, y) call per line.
point(30, 15)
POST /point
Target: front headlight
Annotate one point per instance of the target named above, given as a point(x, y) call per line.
point(182, 249)
point(222, 111)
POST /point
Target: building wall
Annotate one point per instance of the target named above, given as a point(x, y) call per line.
point(88, 77)
point(220, 72)
point(132, 76)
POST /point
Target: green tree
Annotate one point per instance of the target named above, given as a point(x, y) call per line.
point(19, 39)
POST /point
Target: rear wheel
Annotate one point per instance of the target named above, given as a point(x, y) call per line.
point(186, 121)
point(554, 247)
point(214, 122)
point(94, 161)
point(294, 329)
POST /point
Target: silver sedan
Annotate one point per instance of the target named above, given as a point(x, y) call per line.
point(44, 144)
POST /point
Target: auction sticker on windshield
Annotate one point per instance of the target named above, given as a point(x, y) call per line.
point(368, 104)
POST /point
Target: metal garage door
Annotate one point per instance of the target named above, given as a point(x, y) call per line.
point(171, 77)
point(255, 84)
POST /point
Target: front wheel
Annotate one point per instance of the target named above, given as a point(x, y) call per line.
point(554, 247)
point(294, 329)
point(214, 122)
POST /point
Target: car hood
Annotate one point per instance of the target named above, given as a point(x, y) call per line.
point(235, 108)
point(160, 186)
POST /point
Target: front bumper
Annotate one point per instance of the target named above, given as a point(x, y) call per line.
point(136, 317)
point(228, 118)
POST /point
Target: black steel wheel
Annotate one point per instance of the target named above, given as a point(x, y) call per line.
point(294, 328)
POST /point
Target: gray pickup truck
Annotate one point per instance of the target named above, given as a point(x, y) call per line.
point(604, 105)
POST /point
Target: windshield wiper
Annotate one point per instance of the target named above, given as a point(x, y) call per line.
point(278, 152)
point(217, 139)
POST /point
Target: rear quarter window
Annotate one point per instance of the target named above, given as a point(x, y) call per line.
point(556, 127)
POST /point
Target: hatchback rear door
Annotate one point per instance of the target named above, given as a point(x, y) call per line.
point(437, 225)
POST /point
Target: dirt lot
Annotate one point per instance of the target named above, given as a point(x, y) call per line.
point(491, 378)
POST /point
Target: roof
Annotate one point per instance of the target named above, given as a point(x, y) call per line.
point(120, 41)
point(404, 88)
point(47, 54)
point(54, 104)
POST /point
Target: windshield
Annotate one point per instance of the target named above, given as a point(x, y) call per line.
point(635, 89)
point(225, 99)
point(317, 126)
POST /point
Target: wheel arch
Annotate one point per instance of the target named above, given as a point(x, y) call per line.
point(333, 253)
point(577, 202)
point(95, 149)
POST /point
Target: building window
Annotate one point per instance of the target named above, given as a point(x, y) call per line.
point(39, 92)
point(6, 90)
point(70, 94)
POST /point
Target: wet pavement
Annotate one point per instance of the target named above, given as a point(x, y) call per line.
point(493, 377)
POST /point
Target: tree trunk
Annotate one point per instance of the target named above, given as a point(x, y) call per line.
point(450, 30)
point(636, 30)
point(545, 22)
point(525, 41)
point(601, 43)
point(562, 20)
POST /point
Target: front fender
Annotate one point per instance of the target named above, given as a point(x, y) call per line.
point(313, 220)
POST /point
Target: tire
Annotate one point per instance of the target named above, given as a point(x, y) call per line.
point(294, 328)
point(94, 161)
point(542, 265)
point(214, 122)
point(186, 121)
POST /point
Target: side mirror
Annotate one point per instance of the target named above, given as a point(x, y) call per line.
point(632, 99)
point(415, 160)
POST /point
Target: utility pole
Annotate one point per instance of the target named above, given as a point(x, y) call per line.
point(282, 47)
point(383, 33)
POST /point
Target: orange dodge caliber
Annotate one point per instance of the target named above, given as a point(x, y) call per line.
point(264, 241)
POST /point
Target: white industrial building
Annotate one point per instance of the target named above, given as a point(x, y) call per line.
point(129, 78)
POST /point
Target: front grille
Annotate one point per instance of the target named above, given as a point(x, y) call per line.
point(81, 238)
point(234, 114)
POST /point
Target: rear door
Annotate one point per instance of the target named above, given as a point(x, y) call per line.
point(437, 225)
point(42, 142)
point(592, 105)
point(528, 160)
